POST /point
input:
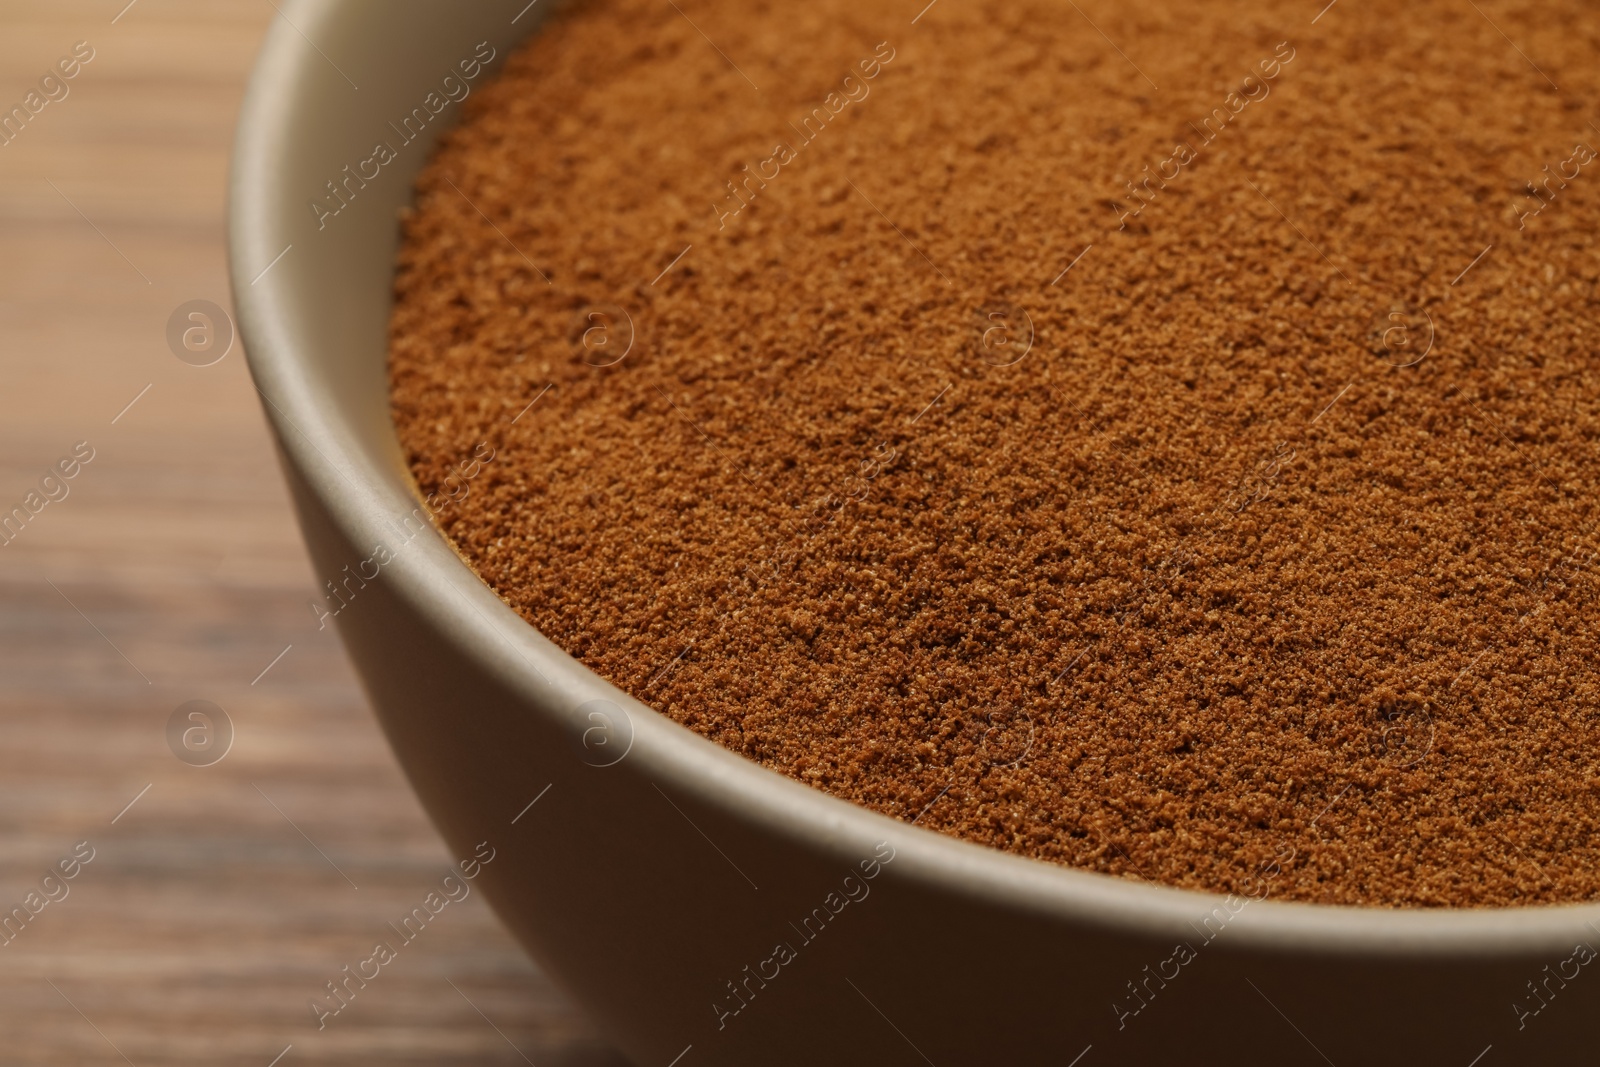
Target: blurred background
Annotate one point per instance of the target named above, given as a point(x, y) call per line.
point(244, 851)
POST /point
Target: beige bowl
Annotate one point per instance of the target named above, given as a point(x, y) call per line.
point(702, 908)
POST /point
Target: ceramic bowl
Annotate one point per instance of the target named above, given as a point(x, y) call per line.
point(703, 909)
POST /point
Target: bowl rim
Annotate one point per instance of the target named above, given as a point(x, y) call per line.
point(338, 463)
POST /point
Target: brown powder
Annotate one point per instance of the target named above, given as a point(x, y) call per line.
point(1266, 530)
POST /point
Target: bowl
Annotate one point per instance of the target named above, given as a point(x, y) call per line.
point(703, 909)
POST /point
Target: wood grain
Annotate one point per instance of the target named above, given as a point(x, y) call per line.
point(225, 897)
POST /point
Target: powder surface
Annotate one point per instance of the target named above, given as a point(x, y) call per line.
point(1153, 438)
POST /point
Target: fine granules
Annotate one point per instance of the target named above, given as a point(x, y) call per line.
point(1158, 481)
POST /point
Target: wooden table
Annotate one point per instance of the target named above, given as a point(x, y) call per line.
point(225, 896)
